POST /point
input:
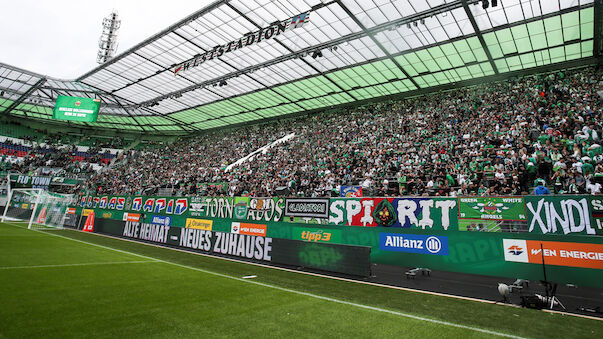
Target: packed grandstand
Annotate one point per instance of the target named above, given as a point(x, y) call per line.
point(497, 138)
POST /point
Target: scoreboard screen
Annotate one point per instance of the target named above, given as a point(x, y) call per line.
point(76, 109)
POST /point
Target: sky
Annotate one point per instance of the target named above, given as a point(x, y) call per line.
point(59, 38)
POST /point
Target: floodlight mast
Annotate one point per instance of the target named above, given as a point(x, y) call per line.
point(107, 43)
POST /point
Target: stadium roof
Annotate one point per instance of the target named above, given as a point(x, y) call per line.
point(370, 49)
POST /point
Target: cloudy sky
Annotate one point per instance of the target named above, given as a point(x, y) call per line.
point(59, 38)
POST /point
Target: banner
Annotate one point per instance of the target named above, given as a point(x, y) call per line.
point(414, 243)
point(422, 213)
point(311, 208)
point(135, 217)
point(596, 213)
point(248, 229)
point(65, 181)
point(350, 191)
point(554, 252)
point(353, 260)
point(317, 235)
point(199, 224)
point(256, 209)
point(89, 224)
point(550, 215)
point(70, 220)
point(26, 181)
point(409, 241)
point(564, 215)
point(161, 220)
point(346, 259)
point(238, 245)
point(492, 208)
point(157, 205)
point(266, 209)
point(86, 212)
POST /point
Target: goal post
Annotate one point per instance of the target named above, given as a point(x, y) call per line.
point(39, 208)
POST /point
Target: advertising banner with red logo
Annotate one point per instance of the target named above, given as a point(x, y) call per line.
point(557, 253)
point(248, 229)
point(135, 217)
point(89, 224)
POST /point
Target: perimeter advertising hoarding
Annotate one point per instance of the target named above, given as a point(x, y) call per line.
point(414, 243)
point(346, 259)
point(316, 235)
point(199, 224)
point(354, 260)
point(556, 253)
point(76, 109)
point(248, 229)
point(468, 252)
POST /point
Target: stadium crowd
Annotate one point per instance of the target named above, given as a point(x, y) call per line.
point(493, 139)
point(66, 160)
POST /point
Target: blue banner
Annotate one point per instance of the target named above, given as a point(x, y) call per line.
point(414, 243)
point(161, 220)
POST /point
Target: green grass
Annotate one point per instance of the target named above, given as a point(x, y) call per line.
point(53, 286)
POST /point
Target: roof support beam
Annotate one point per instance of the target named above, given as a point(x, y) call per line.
point(598, 29)
point(426, 91)
point(290, 51)
point(134, 118)
point(459, 38)
point(335, 42)
point(24, 96)
point(121, 100)
point(478, 33)
point(379, 44)
point(44, 86)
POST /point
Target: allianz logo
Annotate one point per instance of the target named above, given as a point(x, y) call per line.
point(431, 244)
point(161, 221)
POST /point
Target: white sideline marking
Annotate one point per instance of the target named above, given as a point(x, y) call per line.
point(250, 276)
point(372, 308)
point(81, 264)
point(317, 274)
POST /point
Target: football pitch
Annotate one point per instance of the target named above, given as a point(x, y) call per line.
point(65, 283)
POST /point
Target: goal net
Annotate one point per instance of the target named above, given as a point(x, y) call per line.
point(39, 208)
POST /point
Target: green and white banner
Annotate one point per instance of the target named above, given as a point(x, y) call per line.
point(576, 215)
point(492, 208)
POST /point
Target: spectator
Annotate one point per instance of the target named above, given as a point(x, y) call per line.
point(541, 189)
